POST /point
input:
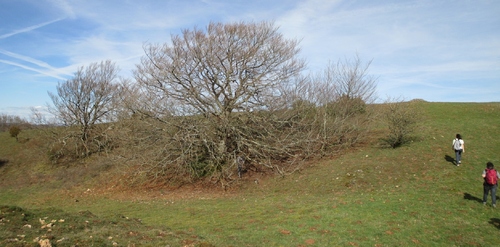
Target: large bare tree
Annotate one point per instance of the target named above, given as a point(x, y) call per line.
point(232, 96)
point(220, 70)
point(218, 74)
point(86, 99)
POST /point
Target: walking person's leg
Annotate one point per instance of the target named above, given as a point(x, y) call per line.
point(494, 195)
point(485, 193)
point(458, 154)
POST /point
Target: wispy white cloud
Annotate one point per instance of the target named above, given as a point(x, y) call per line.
point(65, 6)
point(413, 44)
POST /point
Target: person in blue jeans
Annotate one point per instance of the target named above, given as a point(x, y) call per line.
point(459, 147)
point(490, 184)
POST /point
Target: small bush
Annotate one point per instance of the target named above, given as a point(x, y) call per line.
point(401, 119)
point(14, 131)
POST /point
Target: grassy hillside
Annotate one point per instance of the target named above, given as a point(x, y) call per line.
point(372, 196)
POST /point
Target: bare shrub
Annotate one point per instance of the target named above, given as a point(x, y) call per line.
point(82, 103)
point(233, 92)
point(340, 94)
point(402, 120)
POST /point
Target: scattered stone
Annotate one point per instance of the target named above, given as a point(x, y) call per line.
point(44, 243)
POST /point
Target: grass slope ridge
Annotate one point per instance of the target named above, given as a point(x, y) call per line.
point(372, 196)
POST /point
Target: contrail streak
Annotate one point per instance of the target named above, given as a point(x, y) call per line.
point(24, 30)
point(33, 61)
point(32, 69)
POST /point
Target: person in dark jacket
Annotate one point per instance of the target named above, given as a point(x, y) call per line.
point(490, 183)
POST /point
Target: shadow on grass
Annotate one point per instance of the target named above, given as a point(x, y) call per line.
point(3, 162)
point(470, 197)
point(450, 159)
point(495, 222)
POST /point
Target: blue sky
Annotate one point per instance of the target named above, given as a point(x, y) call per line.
point(439, 51)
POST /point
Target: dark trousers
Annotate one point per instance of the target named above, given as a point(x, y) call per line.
point(487, 188)
point(458, 155)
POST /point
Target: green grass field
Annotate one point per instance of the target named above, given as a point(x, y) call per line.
point(372, 196)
